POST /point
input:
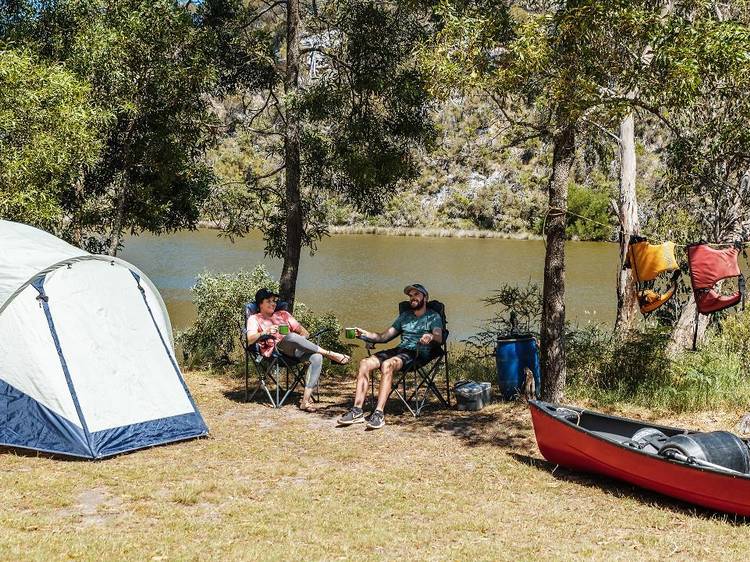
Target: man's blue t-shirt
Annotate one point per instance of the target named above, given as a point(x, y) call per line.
point(413, 328)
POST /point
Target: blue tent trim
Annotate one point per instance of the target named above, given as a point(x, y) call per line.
point(147, 434)
point(166, 347)
point(38, 284)
point(31, 425)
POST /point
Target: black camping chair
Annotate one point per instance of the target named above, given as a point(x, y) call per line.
point(422, 371)
point(269, 369)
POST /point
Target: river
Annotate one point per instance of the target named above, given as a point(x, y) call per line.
point(360, 277)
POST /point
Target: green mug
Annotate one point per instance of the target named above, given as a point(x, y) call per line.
point(350, 333)
point(283, 329)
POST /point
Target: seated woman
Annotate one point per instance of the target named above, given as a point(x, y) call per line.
point(266, 323)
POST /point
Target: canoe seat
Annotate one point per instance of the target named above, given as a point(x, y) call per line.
point(616, 437)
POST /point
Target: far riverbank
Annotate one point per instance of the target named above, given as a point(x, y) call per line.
point(403, 231)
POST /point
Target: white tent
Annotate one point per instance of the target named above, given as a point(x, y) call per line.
point(87, 366)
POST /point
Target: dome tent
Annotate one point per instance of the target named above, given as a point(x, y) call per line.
point(87, 366)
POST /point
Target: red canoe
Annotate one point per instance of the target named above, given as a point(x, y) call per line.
point(708, 469)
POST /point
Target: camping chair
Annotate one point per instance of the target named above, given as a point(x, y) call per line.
point(269, 369)
point(649, 263)
point(708, 266)
point(423, 372)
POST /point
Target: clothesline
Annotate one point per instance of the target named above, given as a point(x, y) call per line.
point(556, 210)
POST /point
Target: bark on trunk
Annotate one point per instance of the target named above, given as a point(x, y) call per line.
point(119, 218)
point(294, 224)
point(553, 306)
point(684, 330)
point(627, 302)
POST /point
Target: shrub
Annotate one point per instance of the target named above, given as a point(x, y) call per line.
point(593, 204)
point(219, 299)
point(636, 370)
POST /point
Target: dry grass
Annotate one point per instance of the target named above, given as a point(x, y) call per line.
point(280, 484)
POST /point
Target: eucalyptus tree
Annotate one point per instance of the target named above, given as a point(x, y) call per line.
point(554, 70)
point(708, 174)
point(551, 69)
point(50, 134)
point(332, 97)
point(149, 64)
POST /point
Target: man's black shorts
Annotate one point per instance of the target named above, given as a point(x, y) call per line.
point(407, 356)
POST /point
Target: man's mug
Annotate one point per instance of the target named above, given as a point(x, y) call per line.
point(350, 333)
point(283, 329)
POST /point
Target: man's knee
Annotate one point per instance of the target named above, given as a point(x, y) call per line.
point(367, 365)
point(316, 359)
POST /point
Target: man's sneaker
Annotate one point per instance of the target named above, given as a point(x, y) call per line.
point(376, 421)
point(355, 415)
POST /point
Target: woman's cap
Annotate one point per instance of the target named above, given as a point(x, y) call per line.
point(264, 294)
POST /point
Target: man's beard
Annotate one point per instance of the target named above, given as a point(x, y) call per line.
point(416, 304)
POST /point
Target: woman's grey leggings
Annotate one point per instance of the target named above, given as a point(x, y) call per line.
point(298, 347)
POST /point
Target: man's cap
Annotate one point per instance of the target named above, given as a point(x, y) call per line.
point(417, 287)
point(264, 294)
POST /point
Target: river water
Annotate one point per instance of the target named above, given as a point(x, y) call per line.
point(360, 277)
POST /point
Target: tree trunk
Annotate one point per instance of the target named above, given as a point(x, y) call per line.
point(119, 219)
point(684, 330)
point(627, 302)
point(553, 305)
point(294, 225)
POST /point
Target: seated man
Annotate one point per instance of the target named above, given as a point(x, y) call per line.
point(419, 327)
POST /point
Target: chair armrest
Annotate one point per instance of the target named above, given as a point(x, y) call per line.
point(253, 346)
point(369, 343)
point(319, 333)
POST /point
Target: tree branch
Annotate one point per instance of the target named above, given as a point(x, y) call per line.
point(603, 130)
point(263, 12)
point(265, 176)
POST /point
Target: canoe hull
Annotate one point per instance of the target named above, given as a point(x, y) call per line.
point(573, 447)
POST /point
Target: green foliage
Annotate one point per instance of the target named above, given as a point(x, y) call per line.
point(594, 205)
point(607, 369)
point(150, 65)
point(219, 300)
point(362, 115)
point(50, 136)
point(638, 370)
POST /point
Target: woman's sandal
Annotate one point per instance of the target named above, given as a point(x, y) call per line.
point(307, 406)
point(339, 358)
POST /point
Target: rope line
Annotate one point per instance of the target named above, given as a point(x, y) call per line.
point(556, 211)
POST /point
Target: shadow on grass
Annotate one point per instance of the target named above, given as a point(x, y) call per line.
point(619, 489)
point(505, 425)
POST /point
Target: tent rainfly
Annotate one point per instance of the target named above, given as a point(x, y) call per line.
point(87, 366)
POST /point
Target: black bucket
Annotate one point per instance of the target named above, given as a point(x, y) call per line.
point(717, 447)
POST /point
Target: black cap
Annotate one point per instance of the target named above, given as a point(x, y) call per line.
point(416, 287)
point(263, 294)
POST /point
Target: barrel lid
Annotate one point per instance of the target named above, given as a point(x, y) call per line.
point(515, 337)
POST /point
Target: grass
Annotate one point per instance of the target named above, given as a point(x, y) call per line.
point(280, 484)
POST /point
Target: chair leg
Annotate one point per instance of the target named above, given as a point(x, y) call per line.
point(247, 377)
point(447, 381)
point(298, 378)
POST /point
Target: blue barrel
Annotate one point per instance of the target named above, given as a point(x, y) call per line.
point(512, 355)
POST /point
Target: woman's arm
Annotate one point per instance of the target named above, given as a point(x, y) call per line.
point(253, 335)
point(296, 327)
